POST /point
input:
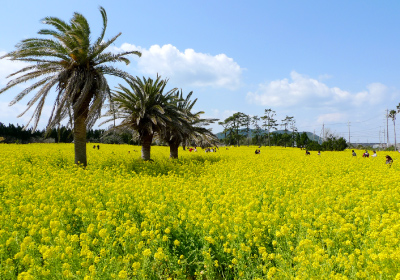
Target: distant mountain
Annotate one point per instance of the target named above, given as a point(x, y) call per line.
point(310, 135)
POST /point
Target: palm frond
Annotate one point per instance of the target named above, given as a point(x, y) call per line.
point(66, 59)
point(103, 31)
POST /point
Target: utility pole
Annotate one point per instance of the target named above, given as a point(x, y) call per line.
point(323, 133)
point(313, 136)
point(384, 134)
point(387, 128)
point(348, 124)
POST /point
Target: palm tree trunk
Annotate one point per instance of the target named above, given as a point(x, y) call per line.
point(80, 140)
point(146, 146)
point(173, 149)
point(80, 116)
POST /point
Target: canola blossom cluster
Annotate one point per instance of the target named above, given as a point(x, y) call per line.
point(225, 215)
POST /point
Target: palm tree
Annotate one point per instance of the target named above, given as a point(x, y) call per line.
point(75, 66)
point(187, 126)
point(397, 111)
point(144, 107)
point(392, 115)
point(201, 135)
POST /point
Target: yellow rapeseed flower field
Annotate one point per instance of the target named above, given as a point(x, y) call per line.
point(225, 215)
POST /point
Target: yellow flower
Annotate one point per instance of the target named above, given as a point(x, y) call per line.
point(147, 252)
point(271, 272)
point(136, 265)
point(122, 274)
point(103, 233)
point(92, 269)
point(25, 276)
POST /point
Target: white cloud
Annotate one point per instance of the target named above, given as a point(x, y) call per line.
point(8, 67)
point(188, 67)
point(299, 91)
point(332, 118)
point(324, 77)
point(376, 93)
point(215, 113)
point(307, 92)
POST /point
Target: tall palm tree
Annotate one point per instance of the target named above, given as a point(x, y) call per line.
point(191, 126)
point(392, 115)
point(397, 111)
point(74, 65)
point(144, 107)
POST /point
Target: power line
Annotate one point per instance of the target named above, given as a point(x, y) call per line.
point(344, 123)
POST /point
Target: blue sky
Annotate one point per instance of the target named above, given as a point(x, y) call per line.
point(322, 62)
